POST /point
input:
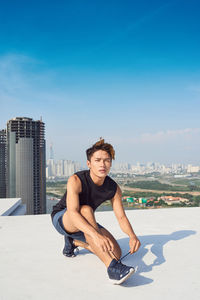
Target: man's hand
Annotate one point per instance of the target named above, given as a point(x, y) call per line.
point(134, 244)
point(103, 242)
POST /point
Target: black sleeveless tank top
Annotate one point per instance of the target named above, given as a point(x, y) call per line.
point(91, 194)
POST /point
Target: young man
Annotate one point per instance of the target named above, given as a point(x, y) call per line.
point(74, 215)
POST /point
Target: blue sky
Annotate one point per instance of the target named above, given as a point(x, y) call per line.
point(125, 70)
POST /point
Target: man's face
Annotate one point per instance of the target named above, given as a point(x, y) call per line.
point(100, 163)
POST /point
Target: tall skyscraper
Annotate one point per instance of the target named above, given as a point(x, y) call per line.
point(2, 164)
point(26, 163)
point(51, 152)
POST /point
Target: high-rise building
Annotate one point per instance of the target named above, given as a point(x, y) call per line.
point(51, 152)
point(26, 163)
point(2, 163)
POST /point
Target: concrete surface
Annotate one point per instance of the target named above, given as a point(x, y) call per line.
point(167, 265)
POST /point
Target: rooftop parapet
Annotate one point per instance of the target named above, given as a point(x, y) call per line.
point(12, 207)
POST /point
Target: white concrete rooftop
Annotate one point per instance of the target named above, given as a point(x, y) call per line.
point(8, 205)
point(167, 265)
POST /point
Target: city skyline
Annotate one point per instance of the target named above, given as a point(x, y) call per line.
point(126, 71)
point(117, 162)
point(64, 168)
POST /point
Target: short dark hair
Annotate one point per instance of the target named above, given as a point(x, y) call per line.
point(101, 145)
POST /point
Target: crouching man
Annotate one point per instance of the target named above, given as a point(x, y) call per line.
point(74, 217)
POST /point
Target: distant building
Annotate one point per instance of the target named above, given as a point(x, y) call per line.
point(26, 174)
point(2, 163)
point(51, 152)
point(61, 168)
point(193, 169)
point(173, 200)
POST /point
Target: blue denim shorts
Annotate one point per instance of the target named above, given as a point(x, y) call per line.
point(58, 224)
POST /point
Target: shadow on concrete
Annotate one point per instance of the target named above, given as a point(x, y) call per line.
point(153, 245)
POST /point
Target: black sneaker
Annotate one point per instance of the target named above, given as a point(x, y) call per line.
point(118, 272)
point(70, 250)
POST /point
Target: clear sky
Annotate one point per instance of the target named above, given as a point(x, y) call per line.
point(128, 71)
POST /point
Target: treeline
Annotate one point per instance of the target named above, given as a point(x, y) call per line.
point(56, 183)
point(156, 185)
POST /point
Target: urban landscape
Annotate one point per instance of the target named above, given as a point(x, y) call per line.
point(40, 182)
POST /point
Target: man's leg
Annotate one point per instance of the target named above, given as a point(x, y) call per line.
point(87, 212)
point(117, 272)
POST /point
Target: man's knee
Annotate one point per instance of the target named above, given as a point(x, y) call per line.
point(86, 209)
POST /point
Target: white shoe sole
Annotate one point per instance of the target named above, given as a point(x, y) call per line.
point(113, 281)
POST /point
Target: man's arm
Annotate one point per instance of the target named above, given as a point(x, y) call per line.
point(73, 210)
point(124, 223)
point(73, 207)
